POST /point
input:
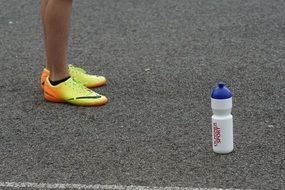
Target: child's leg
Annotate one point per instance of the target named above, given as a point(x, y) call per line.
point(56, 19)
point(52, 64)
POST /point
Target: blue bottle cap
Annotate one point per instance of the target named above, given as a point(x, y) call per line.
point(221, 92)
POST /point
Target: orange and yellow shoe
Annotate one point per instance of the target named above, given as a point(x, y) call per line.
point(72, 92)
point(80, 75)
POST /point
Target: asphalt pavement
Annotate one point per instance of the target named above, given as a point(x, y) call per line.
point(162, 59)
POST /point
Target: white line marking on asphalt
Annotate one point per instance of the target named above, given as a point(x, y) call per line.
point(94, 187)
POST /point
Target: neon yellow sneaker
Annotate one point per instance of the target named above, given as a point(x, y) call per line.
point(80, 75)
point(72, 92)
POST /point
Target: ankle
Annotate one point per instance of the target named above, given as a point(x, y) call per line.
point(53, 76)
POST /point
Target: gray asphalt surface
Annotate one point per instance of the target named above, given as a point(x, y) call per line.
point(162, 59)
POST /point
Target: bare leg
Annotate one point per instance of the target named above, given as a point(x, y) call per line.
point(56, 21)
point(43, 13)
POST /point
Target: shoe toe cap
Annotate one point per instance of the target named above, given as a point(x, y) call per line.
point(96, 81)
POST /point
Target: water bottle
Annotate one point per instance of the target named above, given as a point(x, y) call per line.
point(222, 119)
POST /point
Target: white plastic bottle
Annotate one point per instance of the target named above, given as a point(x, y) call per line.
point(222, 120)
